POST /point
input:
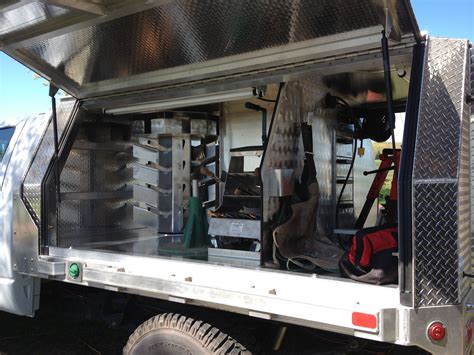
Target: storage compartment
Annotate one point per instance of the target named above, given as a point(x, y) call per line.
point(193, 138)
point(131, 176)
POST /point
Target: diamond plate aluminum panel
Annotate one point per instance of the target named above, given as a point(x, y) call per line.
point(284, 146)
point(464, 201)
point(32, 14)
point(437, 145)
point(436, 247)
point(43, 157)
point(299, 103)
point(442, 241)
point(472, 156)
point(186, 32)
point(323, 124)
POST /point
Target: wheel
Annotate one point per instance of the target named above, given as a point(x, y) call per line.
point(174, 334)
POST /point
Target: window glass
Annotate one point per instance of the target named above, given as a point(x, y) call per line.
point(5, 136)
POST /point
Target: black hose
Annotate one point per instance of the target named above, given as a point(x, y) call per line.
point(266, 100)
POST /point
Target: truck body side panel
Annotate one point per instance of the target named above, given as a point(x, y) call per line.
point(441, 243)
point(441, 202)
point(18, 293)
point(26, 161)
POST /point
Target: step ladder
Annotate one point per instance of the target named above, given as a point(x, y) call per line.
point(236, 222)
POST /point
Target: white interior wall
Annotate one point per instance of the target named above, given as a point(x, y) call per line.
point(241, 127)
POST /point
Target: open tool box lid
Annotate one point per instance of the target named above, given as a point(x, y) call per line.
point(93, 48)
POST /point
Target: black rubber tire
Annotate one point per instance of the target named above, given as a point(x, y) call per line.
point(174, 334)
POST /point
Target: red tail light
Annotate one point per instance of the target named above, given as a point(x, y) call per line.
point(364, 320)
point(436, 331)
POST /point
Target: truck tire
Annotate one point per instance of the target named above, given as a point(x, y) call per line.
point(174, 334)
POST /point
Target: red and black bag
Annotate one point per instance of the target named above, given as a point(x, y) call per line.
point(371, 257)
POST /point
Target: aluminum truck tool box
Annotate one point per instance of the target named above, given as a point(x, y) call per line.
point(115, 188)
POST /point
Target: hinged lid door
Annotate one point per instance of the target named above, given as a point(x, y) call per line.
point(98, 47)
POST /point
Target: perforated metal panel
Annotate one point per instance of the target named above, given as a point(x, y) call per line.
point(96, 185)
point(85, 221)
point(441, 177)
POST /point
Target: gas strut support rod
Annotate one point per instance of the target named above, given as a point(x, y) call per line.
point(53, 90)
point(389, 94)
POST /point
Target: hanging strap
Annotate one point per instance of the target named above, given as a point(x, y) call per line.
point(307, 136)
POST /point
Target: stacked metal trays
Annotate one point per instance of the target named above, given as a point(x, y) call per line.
point(162, 172)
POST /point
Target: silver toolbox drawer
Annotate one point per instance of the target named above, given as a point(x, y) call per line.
point(144, 217)
point(146, 154)
point(145, 195)
point(146, 174)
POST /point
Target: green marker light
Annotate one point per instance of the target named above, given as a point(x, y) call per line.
point(74, 270)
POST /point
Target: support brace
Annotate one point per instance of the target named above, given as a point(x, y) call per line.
point(53, 90)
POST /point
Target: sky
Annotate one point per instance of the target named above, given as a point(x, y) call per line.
point(20, 95)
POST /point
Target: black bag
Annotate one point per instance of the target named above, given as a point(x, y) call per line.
point(371, 257)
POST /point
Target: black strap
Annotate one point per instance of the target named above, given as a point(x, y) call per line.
point(307, 136)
